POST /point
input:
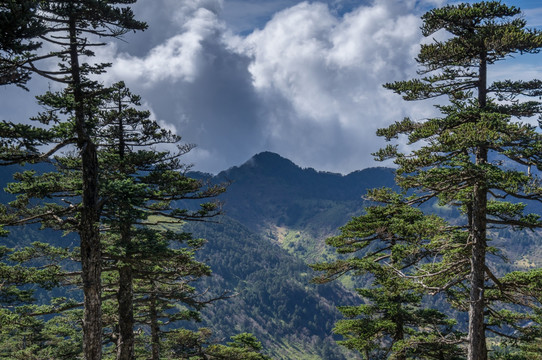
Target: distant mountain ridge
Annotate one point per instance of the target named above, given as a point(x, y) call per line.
point(268, 188)
point(310, 182)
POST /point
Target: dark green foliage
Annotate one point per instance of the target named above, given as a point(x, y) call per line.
point(389, 243)
point(270, 188)
point(28, 317)
point(71, 29)
point(233, 251)
point(148, 266)
point(139, 188)
point(28, 24)
point(19, 31)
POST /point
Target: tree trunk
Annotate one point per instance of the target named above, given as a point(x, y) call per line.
point(477, 348)
point(399, 335)
point(398, 320)
point(155, 329)
point(125, 345)
point(88, 231)
point(477, 341)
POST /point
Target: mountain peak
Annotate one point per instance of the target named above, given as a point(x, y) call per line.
point(269, 159)
point(266, 164)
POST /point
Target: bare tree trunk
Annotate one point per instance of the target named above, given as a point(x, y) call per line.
point(88, 231)
point(398, 319)
point(155, 329)
point(477, 348)
point(125, 348)
point(399, 336)
point(477, 340)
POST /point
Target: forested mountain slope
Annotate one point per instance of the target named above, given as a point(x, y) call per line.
point(272, 294)
point(299, 208)
point(269, 188)
point(275, 202)
point(294, 207)
point(277, 216)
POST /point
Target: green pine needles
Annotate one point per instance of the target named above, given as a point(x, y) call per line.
point(395, 239)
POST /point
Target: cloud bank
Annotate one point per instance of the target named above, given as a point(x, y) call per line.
point(304, 80)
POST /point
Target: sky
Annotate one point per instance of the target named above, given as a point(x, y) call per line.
point(299, 78)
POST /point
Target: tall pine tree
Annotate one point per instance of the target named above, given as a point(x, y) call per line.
point(477, 155)
point(148, 262)
point(70, 29)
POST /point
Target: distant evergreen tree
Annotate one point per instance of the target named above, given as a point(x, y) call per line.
point(390, 242)
point(477, 156)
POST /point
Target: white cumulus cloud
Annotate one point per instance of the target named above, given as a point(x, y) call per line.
point(181, 57)
point(330, 71)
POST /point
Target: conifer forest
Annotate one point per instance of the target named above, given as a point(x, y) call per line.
point(113, 247)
